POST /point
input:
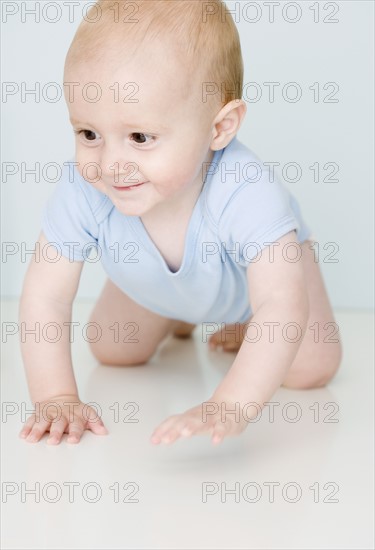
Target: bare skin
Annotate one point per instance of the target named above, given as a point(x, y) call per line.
point(226, 338)
point(141, 332)
point(314, 365)
point(108, 135)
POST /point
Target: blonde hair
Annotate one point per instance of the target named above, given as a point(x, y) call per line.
point(202, 34)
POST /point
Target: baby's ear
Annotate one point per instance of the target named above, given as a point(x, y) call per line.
point(227, 123)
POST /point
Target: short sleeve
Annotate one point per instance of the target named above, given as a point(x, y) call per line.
point(68, 221)
point(259, 213)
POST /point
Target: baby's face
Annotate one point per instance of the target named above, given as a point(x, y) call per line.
point(141, 131)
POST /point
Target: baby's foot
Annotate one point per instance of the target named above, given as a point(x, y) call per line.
point(182, 329)
point(228, 338)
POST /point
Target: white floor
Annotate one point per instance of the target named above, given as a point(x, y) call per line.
point(183, 496)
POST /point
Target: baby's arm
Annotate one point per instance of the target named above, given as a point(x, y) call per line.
point(47, 296)
point(278, 296)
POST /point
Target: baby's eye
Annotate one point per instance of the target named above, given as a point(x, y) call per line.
point(140, 138)
point(89, 134)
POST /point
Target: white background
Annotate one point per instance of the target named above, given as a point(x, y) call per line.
point(306, 132)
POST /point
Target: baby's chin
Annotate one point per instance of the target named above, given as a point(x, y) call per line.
point(128, 209)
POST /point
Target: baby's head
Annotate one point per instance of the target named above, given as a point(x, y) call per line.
point(166, 85)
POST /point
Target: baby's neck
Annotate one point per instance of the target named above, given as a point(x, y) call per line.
point(174, 209)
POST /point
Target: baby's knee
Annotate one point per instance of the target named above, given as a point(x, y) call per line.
point(316, 372)
point(110, 356)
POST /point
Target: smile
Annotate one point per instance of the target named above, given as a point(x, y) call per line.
point(130, 187)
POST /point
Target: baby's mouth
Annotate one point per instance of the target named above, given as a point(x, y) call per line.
point(129, 187)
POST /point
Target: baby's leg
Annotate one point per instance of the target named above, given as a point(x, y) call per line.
point(130, 333)
point(229, 337)
point(183, 329)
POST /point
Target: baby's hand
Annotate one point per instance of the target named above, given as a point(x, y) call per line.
point(62, 414)
point(203, 419)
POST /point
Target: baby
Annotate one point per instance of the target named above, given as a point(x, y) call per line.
point(191, 227)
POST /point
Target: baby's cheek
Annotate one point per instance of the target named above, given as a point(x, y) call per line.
point(91, 171)
point(82, 165)
point(175, 182)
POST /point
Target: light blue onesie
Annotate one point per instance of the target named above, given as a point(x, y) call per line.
point(239, 211)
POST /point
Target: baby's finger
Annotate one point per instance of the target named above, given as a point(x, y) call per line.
point(156, 437)
point(220, 430)
point(171, 435)
point(26, 429)
point(56, 431)
point(162, 429)
point(97, 426)
point(37, 431)
point(75, 433)
point(193, 427)
point(181, 428)
point(187, 431)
